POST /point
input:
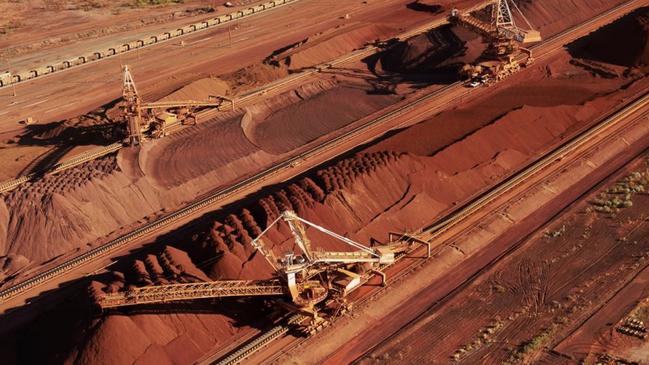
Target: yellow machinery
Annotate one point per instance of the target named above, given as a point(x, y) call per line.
point(153, 119)
point(302, 279)
point(504, 55)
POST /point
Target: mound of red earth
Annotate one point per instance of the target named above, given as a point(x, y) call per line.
point(169, 266)
point(162, 336)
point(553, 16)
point(94, 128)
point(229, 239)
point(324, 108)
point(200, 89)
point(27, 214)
point(623, 43)
point(254, 75)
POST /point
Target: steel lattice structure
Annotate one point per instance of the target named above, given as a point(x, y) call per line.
point(502, 15)
point(192, 291)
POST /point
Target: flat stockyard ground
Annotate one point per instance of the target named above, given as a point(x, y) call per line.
point(532, 192)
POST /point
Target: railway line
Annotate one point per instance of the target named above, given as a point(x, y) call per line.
point(404, 114)
point(484, 201)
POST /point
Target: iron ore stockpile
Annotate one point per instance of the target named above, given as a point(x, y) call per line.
point(324, 182)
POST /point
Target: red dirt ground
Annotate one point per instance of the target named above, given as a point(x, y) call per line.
point(445, 160)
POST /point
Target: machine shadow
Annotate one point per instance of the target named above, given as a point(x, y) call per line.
point(94, 128)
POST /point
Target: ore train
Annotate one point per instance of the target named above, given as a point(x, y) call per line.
point(8, 78)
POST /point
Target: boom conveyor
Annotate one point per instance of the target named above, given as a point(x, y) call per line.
point(192, 291)
point(302, 280)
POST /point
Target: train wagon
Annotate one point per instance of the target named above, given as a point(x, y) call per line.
point(22, 76)
point(38, 72)
point(69, 63)
point(5, 78)
point(133, 45)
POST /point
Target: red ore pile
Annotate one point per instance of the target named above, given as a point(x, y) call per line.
point(553, 16)
point(38, 222)
point(329, 45)
point(623, 43)
point(323, 108)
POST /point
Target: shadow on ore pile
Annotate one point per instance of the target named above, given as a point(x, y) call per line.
point(434, 57)
point(94, 128)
